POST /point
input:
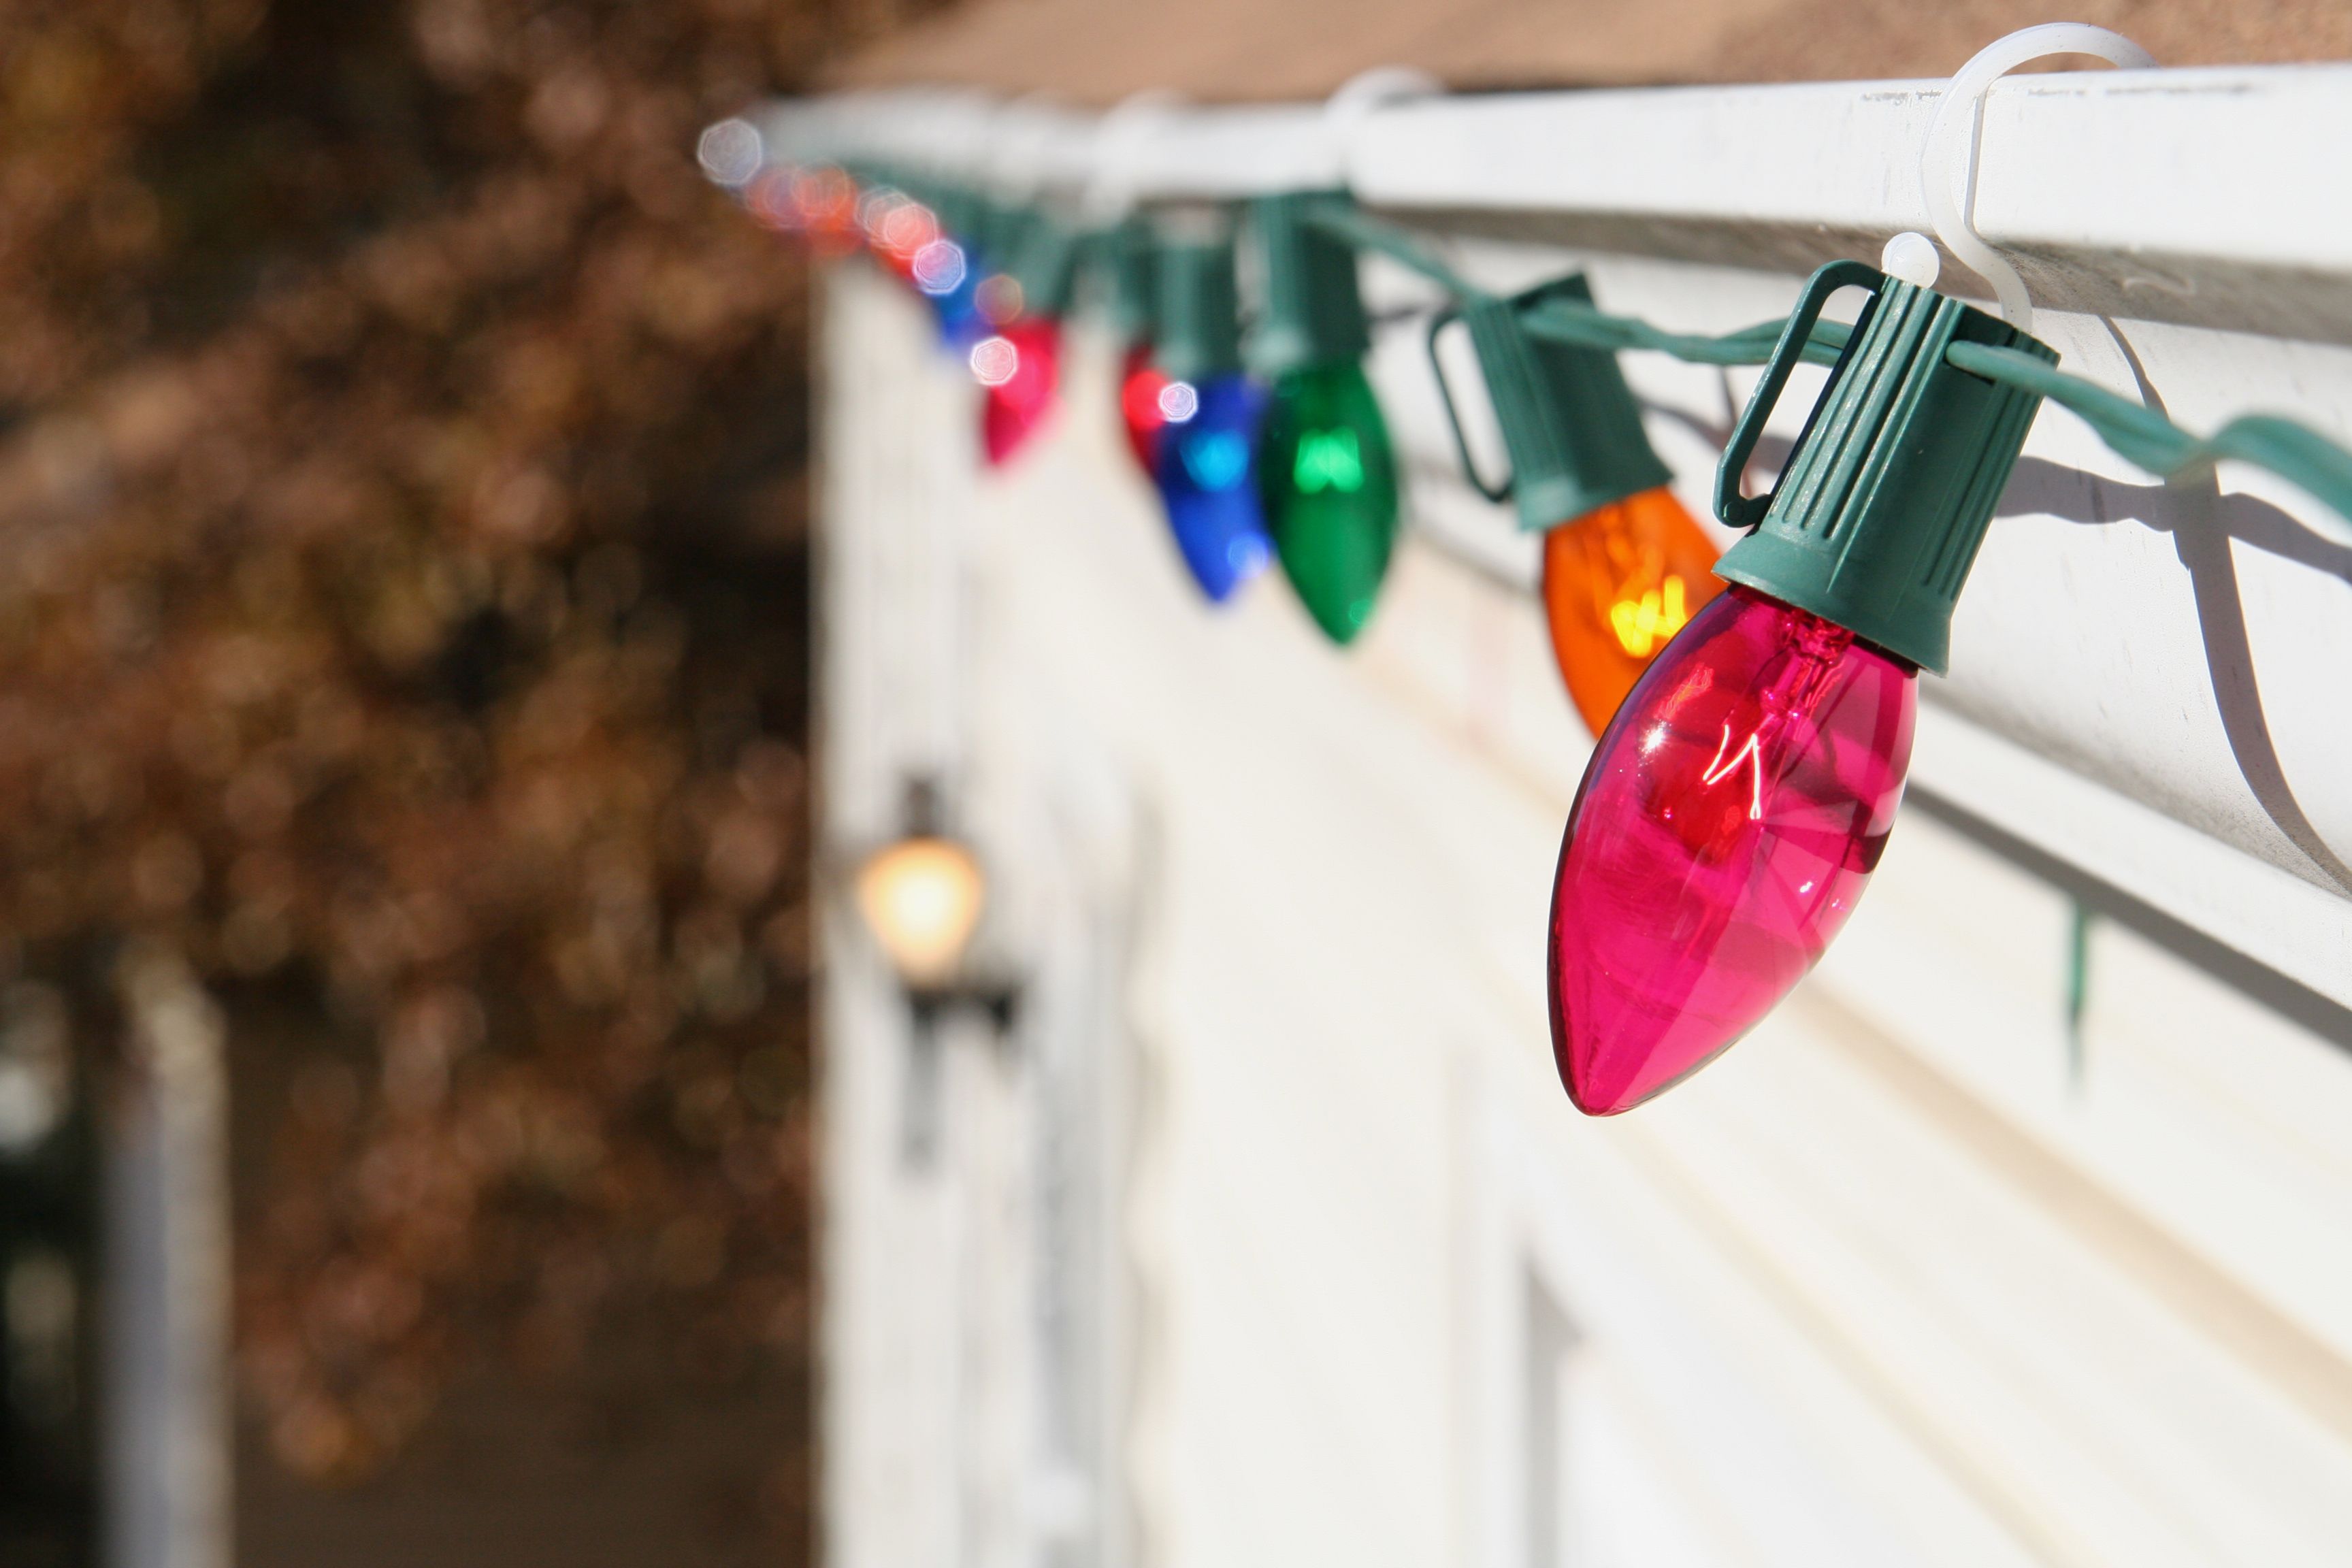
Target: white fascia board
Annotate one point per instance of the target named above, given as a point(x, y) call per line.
point(1017, 149)
point(2233, 163)
point(1040, 146)
point(1172, 154)
point(950, 134)
point(946, 132)
point(2199, 197)
point(2222, 161)
point(1209, 154)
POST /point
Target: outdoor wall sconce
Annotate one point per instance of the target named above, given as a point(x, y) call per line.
point(921, 896)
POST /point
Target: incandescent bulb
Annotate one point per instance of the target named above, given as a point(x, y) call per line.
point(907, 238)
point(1726, 823)
point(1018, 369)
point(908, 232)
point(1618, 583)
point(1140, 386)
point(1205, 469)
point(823, 205)
point(921, 898)
point(943, 274)
point(1735, 807)
point(1328, 483)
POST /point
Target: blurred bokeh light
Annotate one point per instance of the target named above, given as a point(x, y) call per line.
point(404, 625)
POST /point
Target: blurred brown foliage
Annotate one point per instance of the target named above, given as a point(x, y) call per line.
point(403, 614)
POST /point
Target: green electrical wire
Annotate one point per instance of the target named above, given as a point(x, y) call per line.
point(2138, 434)
point(1565, 320)
point(2142, 436)
point(2078, 993)
point(1396, 244)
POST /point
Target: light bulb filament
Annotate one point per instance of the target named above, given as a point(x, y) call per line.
point(1328, 460)
point(1727, 761)
point(1641, 625)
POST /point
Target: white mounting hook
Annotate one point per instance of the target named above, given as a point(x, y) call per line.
point(1370, 89)
point(1954, 214)
point(1353, 101)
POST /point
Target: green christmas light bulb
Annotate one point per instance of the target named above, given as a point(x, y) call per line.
point(1330, 492)
point(1325, 473)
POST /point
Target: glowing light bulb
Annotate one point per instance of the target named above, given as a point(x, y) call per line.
point(1618, 583)
point(906, 237)
point(1728, 820)
point(1140, 386)
point(823, 204)
point(999, 298)
point(1328, 483)
point(905, 229)
point(1205, 469)
point(921, 898)
point(1018, 369)
point(936, 267)
point(769, 199)
point(943, 275)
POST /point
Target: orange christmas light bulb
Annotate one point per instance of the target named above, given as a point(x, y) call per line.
point(1618, 583)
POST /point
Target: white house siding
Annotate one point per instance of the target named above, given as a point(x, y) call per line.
point(1349, 1280)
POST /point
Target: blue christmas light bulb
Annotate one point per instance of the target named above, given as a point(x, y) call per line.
point(944, 275)
point(1207, 476)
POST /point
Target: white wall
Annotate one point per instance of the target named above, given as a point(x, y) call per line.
point(1883, 1287)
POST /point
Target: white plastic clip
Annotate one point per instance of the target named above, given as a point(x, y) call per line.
point(1951, 195)
point(1355, 99)
point(1367, 90)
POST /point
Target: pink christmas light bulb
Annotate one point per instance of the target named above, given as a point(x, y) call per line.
point(1742, 795)
point(1727, 822)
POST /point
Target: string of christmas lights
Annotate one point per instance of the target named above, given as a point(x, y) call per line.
point(1754, 713)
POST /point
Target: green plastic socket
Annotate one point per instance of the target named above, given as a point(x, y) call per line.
point(1200, 310)
point(1044, 260)
point(995, 240)
point(1313, 313)
point(964, 215)
point(1569, 422)
point(1122, 257)
point(1886, 498)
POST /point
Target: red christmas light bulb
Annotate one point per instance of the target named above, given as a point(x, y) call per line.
point(1018, 369)
point(898, 227)
point(1140, 386)
point(1728, 819)
point(825, 203)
